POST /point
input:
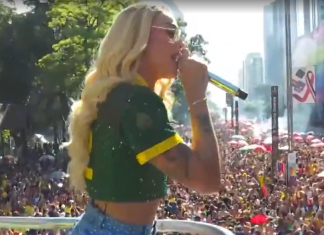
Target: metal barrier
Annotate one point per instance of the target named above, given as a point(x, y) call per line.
point(58, 223)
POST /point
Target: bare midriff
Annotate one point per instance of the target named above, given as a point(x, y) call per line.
point(130, 212)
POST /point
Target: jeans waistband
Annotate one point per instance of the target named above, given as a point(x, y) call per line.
point(95, 220)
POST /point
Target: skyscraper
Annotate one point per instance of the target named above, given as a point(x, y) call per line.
point(252, 73)
point(241, 81)
point(275, 42)
point(319, 10)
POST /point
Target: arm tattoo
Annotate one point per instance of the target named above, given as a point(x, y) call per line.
point(205, 123)
point(179, 157)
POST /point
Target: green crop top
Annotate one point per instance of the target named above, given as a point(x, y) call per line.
point(131, 128)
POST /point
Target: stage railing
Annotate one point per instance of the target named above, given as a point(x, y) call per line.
point(61, 223)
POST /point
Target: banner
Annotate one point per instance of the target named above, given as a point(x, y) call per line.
point(291, 172)
point(308, 50)
point(303, 85)
point(274, 127)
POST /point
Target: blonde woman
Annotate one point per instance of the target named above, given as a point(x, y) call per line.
point(122, 145)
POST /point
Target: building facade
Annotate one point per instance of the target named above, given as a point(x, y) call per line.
point(274, 43)
point(306, 16)
point(315, 20)
point(241, 81)
point(319, 10)
point(274, 37)
point(252, 73)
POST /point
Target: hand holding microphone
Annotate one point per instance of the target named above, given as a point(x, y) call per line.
point(194, 77)
point(191, 69)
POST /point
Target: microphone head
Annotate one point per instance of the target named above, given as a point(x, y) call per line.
point(242, 94)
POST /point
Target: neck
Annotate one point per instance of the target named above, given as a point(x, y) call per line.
point(148, 76)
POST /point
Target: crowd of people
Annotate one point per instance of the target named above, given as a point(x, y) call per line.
point(37, 186)
point(254, 199)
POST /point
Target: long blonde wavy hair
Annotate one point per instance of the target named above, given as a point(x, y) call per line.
point(117, 61)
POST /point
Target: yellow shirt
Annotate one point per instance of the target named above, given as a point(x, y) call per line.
point(29, 210)
point(4, 183)
point(68, 209)
point(312, 169)
point(7, 208)
point(261, 180)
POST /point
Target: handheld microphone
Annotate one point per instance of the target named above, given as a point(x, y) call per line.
point(227, 86)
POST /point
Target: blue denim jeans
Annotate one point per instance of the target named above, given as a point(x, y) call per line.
point(95, 222)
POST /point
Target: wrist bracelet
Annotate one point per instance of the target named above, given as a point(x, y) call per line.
point(196, 102)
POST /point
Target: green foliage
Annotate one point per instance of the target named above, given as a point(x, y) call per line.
point(6, 14)
point(46, 52)
point(5, 136)
point(196, 45)
point(79, 29)
point(24, 38)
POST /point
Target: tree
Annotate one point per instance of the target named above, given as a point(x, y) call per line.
point(24, 38)
point(196, 46)
point(6, 14)
point(79, 27)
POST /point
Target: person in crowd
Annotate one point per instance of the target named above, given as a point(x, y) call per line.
point(123, 145)
point(132, 144)
point(252, 200)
